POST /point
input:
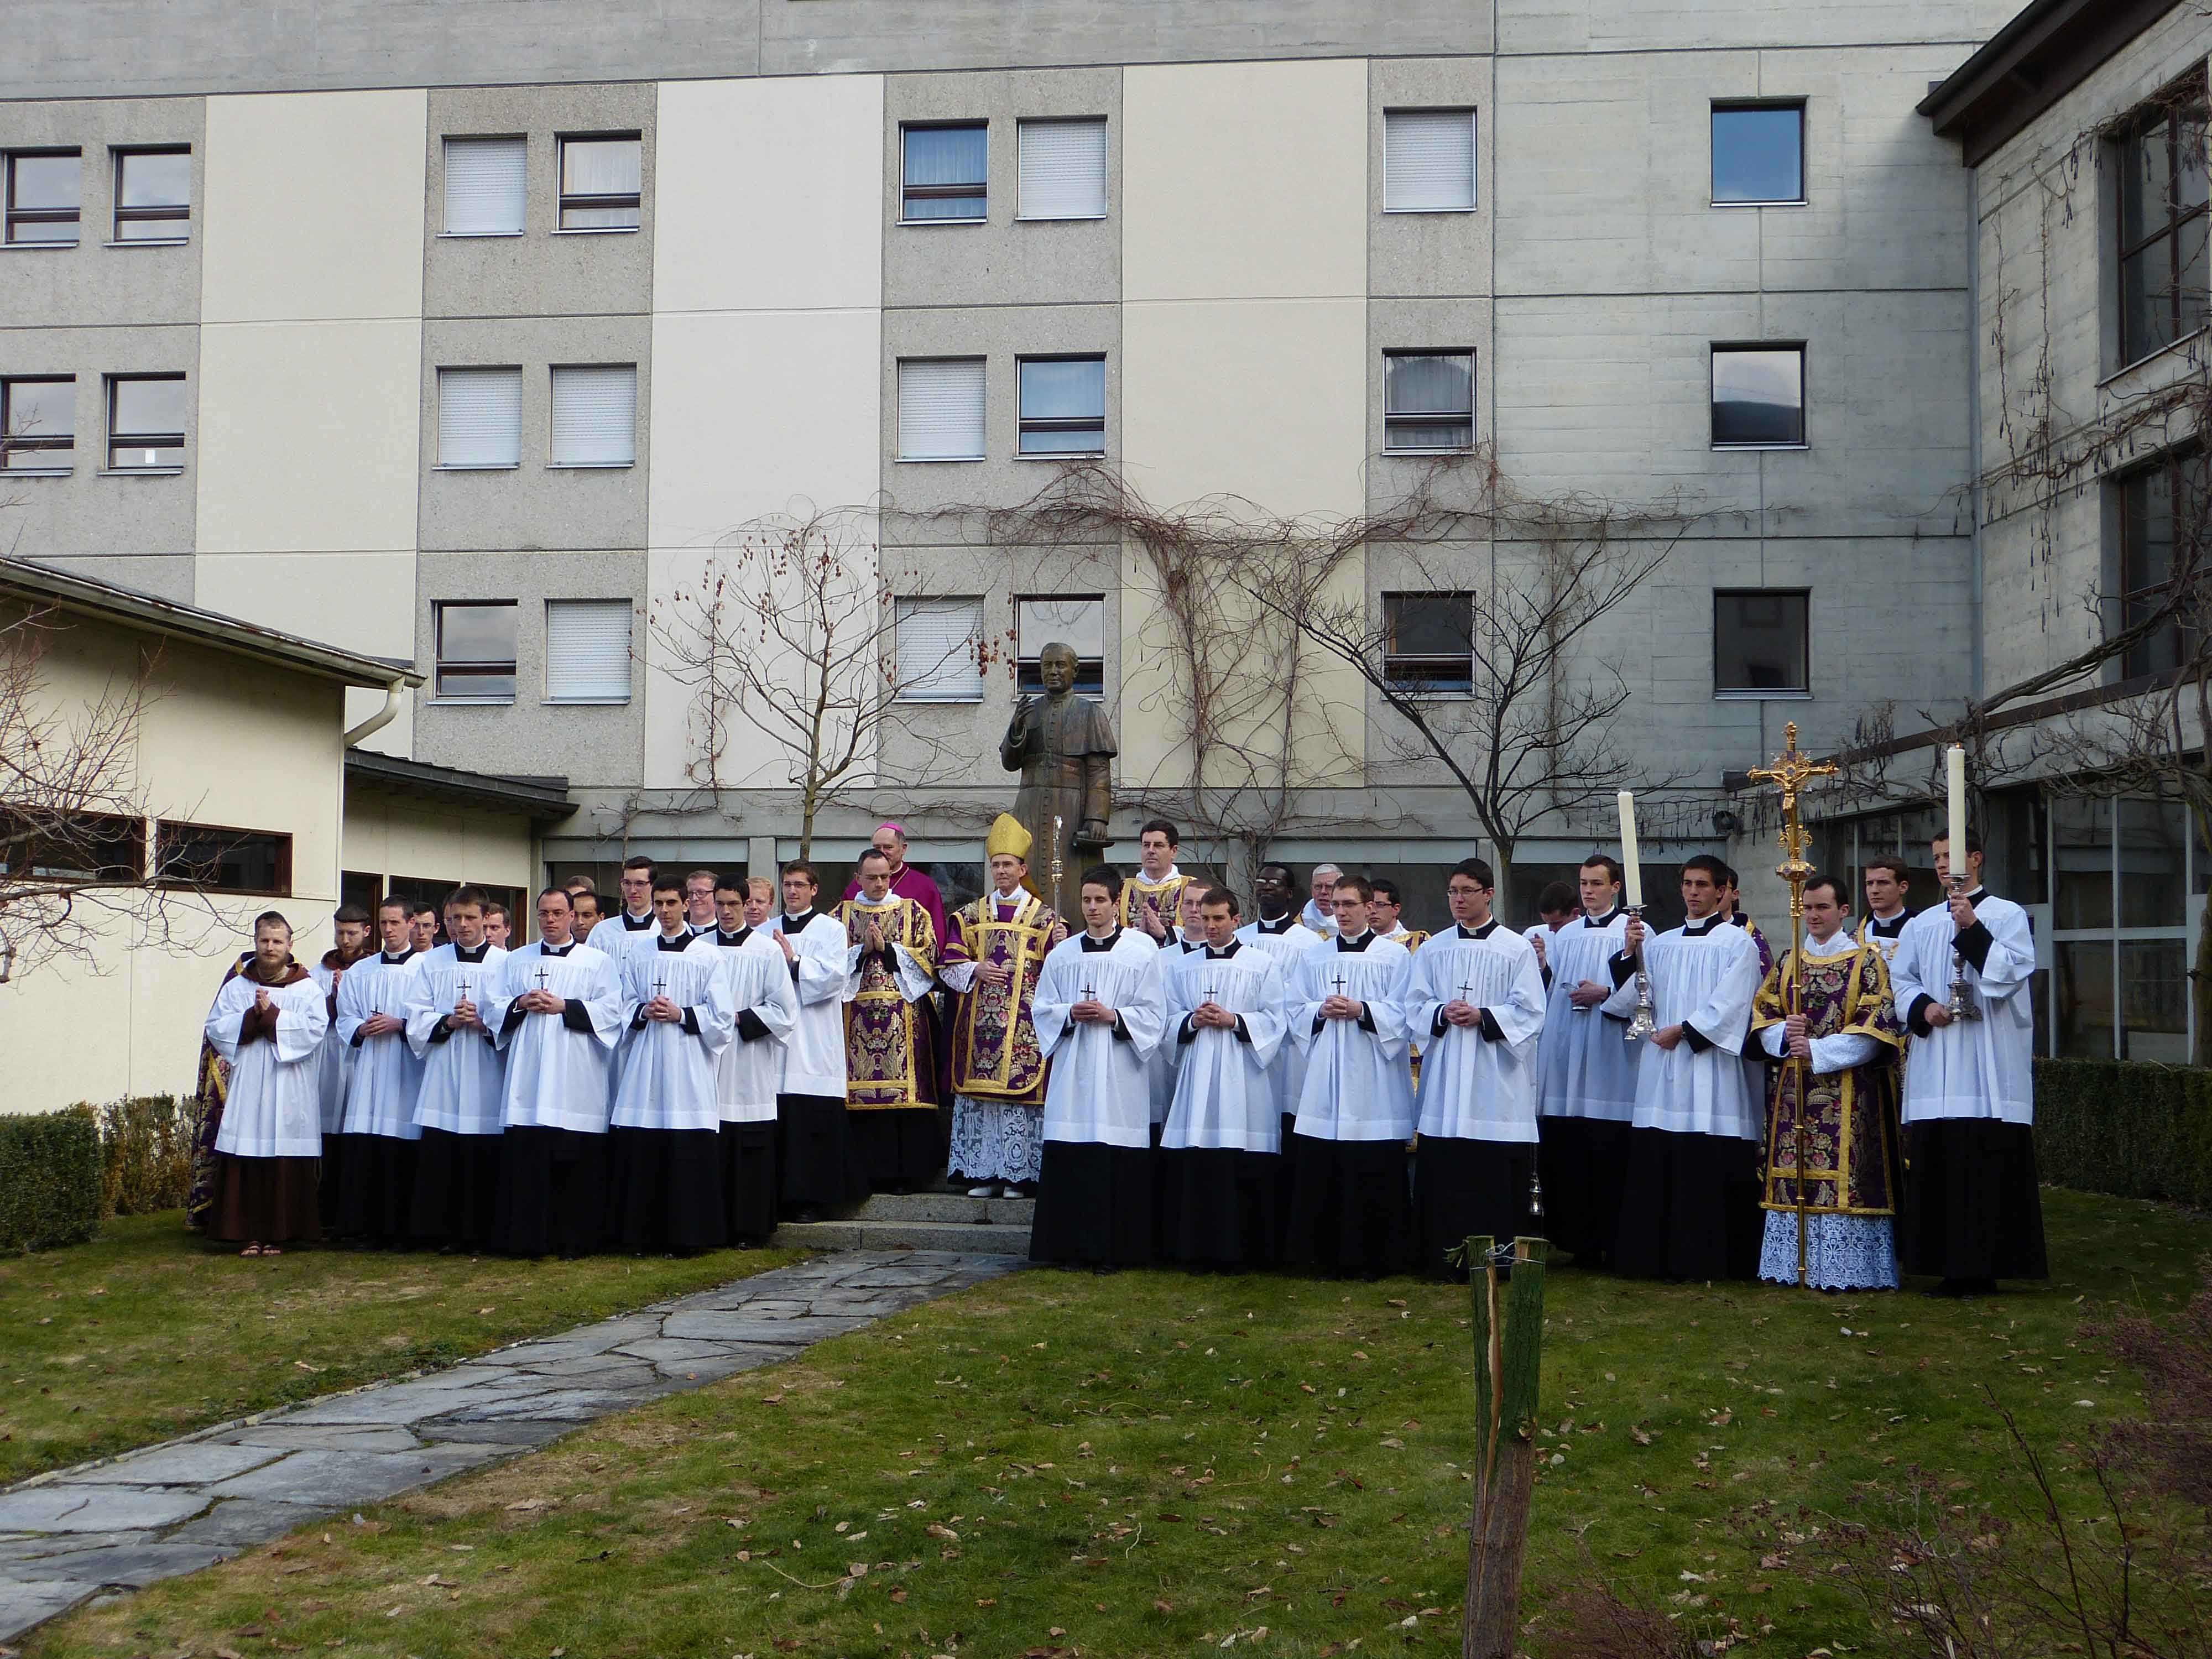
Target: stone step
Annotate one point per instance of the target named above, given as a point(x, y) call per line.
point(942, 1206)
point(974, 1238)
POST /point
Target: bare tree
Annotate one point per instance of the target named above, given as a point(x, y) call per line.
point(792, 632)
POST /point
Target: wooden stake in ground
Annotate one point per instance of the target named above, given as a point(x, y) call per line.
point(1508, 1345)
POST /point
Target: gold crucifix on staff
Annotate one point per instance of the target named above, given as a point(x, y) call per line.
point(1790, 773)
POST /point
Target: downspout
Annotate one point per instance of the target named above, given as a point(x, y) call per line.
point(1974, 412)
point(382, 718)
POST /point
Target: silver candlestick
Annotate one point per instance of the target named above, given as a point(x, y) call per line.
point(1963, 1004)
point(1644, 1024)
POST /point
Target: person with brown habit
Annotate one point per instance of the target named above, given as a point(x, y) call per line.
point(268, 1024)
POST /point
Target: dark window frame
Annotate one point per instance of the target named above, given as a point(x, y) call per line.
point(1804, 595)
point(14, 215)
point(118, 830)
point(166, 874)
point(1732, 106)
point(164, 213)
point(2184, 472)
point(1404, 419)
point(13, 444)
point(1090, 671)
point(1025, 424)
point(950, 189)
point(1802, 441)
point(1428, 673)
point(2167, 118)
point(118, 440)
point(479, 668)
point(564, 199)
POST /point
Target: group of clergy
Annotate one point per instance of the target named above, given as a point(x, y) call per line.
point(1173, 1082)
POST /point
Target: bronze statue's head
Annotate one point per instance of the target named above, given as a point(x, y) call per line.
point(1056, 666)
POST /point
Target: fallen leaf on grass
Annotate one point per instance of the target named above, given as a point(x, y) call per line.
point(525, 1504)
point(1162, 1607)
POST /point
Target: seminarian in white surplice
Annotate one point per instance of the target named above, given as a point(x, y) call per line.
point(376, 1177)
point(757, 983)
point(463, 1080)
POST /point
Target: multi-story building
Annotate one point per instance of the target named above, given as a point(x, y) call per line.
point(470, 335)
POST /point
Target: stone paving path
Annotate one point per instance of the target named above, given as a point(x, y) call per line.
point(175, 1508)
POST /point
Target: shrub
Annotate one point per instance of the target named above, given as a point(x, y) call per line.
point(146, 1153)
point(2134, 1128)
point(49, 1179)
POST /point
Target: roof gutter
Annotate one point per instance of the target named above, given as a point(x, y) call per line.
point(382, 718)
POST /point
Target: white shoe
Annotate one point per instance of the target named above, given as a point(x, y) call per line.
point(988, 1189)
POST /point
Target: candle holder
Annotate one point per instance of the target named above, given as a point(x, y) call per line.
point(1644, 1024)
point(1963, 1005)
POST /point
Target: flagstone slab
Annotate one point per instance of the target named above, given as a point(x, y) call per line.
point(193, 1463)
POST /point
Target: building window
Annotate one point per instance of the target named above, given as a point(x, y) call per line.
point(1428, 401)
point(1428, 161)
point(1059, 169)
point(944, 173)
point(479, 418)
point(1759, 396)
point(2161, 510)
point(44, 192)
point(223, 861)
point(38, 423)
point(1063, 406)
point(476, 651)
point(487, 189)
point(941, 404)
point(72, 847)
point(1429, 643)
point(2163, 224)
point(940, 656)
point(595, 415)
point(588, 650)
point(145, 422)
point(602, 182)
point(1759, 155)
point(1759, 643)
point(1074, 619)
point(153, 194)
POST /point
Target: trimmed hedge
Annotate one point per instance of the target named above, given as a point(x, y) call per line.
point(50, 1187)
point(146, 1153)
point(2131, 1128)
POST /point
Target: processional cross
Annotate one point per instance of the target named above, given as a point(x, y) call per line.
point(1790, 774)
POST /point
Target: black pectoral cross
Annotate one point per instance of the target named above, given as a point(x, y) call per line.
point(659, 985)
point(1338, 982)
point(463, 996)
point(541, 979)
point(1091, 994)
point(1464, 988)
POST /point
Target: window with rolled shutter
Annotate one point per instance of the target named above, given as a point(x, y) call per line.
point(588, 650)
point(485, 186)
point(938, 658)
point(1061, 168)
point(479, 418)
point(595, 415)
point(1428, 161)
point(941, 408)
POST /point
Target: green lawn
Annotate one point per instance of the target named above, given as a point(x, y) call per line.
point(147, 1332)
point(1150, 1463)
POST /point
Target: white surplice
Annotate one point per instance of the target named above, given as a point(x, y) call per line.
point(332, 1061)
point(668, 1076)
point(464, 1073)
point(387, 1077)
point(1224, 1089)
point(757, 981)
point(823, 980)
point(557, 1076)
point(1286, 943)
point(1359, 1083)
point(1585, 1066)
point(1098, 1090)
point(1976, 1068)
point(271, 1108)
point(1475, 1087)
point(1705, 978)
point(1161, 1069)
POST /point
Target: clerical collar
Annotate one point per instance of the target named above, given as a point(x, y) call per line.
point(1158, 881)
point(1282, 924)
point(680, 942)
point(555, 949)
point(1092, 942)
point(1888, 927)
point(636, 924)
point(1741, 921)
point(462, 953)
point(1010, 900)
point(733, 940)
point(391, 961)
point(1359, 944)
point(1483, 931)
point(1978, 895)
point(798, 924)
point(1222, 952)
point(1189, 944)
point(1605, 920)
point(1698, 928)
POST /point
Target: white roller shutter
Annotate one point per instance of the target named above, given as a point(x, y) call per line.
point(486, 186)
point(1428, 161)
point(588, 650)
point(479, 418)
point(938, 660)
point(1062, 167)
point(941, 408)
point(595, 415)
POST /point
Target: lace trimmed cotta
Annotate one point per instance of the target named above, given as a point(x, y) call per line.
point(1842, 1252)
point(994, 1141)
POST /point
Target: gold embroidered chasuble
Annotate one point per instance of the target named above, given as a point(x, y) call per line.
point(995, 1042)
point(890, 1061)
point(1162, 898)
point(1851, 1138)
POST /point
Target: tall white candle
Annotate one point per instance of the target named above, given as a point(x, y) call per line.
point(1631, 866)
point(1955, 762)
